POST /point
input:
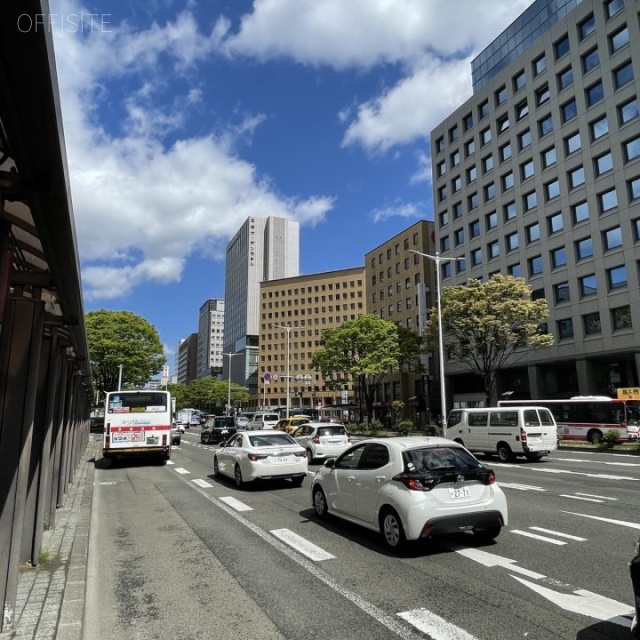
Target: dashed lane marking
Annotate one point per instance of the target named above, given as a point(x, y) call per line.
point(300, 544)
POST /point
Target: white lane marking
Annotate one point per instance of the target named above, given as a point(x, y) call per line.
point(537, 537)
point(181, 471)
point(615, 464)
point(557, 533)
point(590, 495)
point(582, 601)
point(491, 560)
point(434, 626)
point(598, 476)
point(566, 495)
point(622, 523)
point(202, 483)
point(170, 462)
point(236, 504)
point(521, 487)
point(312, 551)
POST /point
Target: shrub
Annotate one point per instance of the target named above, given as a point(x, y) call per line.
point(611, 437)
point(375, 427)
point(433, 430)
point(404, 426)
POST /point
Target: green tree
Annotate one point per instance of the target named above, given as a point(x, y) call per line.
point(365, 349)
point(208, 393)
point(122, 338)
point(179, 392)
point(486, 323)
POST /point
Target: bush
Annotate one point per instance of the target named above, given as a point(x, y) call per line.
point(611, 437)
point(404, 426)
point(433, 430)
point(374, 428)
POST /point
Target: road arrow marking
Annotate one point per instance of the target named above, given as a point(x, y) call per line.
point(491, 560)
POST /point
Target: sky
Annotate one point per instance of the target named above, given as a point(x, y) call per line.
point(182, 118)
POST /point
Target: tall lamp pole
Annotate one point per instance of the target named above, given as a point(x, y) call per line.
point(288, 330)
point(229, 355)
point(438, 259)
point(120, 376)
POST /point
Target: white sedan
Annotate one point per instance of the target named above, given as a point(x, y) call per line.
point(322, 439)
point(261, 455)
point(411, 488)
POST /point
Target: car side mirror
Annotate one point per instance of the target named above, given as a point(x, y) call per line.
point(331, 463)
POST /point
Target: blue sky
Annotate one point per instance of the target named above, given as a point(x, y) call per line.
point(183, 118)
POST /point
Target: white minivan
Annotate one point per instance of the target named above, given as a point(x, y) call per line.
point(507, 432)
point(263, 420)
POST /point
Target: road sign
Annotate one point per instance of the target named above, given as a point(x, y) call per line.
point(275, 377)
point(267, 377)
point(299, 378)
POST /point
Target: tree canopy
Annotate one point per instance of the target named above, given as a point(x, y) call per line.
point(122, 338)
point(208, 394)
point(485, 323)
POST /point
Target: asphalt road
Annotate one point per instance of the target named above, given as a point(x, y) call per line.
point(175, 553)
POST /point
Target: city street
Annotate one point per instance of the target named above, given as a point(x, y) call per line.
point(176, 553)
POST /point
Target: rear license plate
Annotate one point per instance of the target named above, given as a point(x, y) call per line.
point(459, 492)
point(281, 459)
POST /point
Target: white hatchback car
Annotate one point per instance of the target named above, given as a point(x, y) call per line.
point(261, 455)
point(411, 488)
point(322, 439)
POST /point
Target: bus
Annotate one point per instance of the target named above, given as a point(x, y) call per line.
point(588, 418)
point(137, 423)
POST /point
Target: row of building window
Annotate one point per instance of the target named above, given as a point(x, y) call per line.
point(396, 249)
point(311, 289)
point(591, 324)
point(289, 303)
point(323, 320)
point(375, 279)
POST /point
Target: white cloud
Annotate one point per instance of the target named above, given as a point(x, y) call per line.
point(399, 209)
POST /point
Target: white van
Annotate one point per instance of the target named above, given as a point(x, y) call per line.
point(263, 420)
point(507, 432)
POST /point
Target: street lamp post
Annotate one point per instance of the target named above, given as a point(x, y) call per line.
point(229, 355)
point(120, 366)
point(443, 395)
point(288, 330)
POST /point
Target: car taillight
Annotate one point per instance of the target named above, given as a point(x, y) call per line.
point(413, 482)
point(523, 435)
point(316, 439)
point(254, 457)
point(300, 454)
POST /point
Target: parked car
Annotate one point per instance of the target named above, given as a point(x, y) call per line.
point(322, 439)
point(290, 424)
point(261, 455)
point(263, 420)
point(242, 421)
point(217, 428)
point(179, 426)
point(176, 435)
point(411, 488)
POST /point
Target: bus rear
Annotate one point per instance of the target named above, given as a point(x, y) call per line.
point(136, 424)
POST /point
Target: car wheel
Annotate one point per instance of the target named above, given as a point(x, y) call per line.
point(504, 452)
point(319, 502)
point(297, 482)
point(237, 474)
point(594, 437)
point(392, 530)
point(309, 456)
point(488, 535)
point(202, 440)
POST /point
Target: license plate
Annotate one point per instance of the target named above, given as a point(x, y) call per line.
point(224, 431)
point(459, 492)
point(534, 439)
point(281, 459)
point(334, 443)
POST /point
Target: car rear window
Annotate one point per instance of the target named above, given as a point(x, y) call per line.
point(224, 422)
point(270, 416)
point(271, 439)
point(430, 458)
point(332, 431)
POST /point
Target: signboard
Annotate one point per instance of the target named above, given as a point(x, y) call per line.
point(628, 393)
point(267, 378)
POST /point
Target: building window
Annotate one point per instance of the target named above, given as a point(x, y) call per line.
point(549, 157)
point(524, 139)
point(612, 7)
point(565, 328)
point(569, 110)
point(586, 27)
point(530, 201)
point(565, 78)
point(501, 96)
point(554, 223)
point(510, 211)
point(628, 111)
point(511, 241)
point(617, 277)
point(441, 168)
point(623, 75)
point(542, 95)
point(539, 65)
point(491, 220)
point(621, 318)
point(505, 152)
point(588, 286)
point(559, 257)
point(444, 218)
point(493, 249)
point(487, 164)
point(612, 238)
point(442, 193)
point(470, 148)
point(599, 128)
point(467, 122)
point(445, 245)
point(519, 81)
point(476, 257)
point(489, 192)
point(485, 136)
point(580, 212)
point(561, 292)
point(507, 181)
point(603, 163)
point(456, 184)
point(526, 169)
point(636, 229)
point(572, 143)
point(440, 144)
point(535, 265)
point(619, 39)
point(584, 248)
point(457, 210)
point(545, 126)
point(631, 149)
point(634, 189)
point(483, 109)
point(473, 201)
point(458, 237)
point(454, 133)
point(502, 123)
point(472, 173)
point(591, 323)
point(561, 47)
point(576, 177)
point(552, 189)
point(455, 158)
point(515, 270)
point(533, 232)
point(608, 200)
point(590, 60)
point(474, 229)
point(595, 93)
point(522, 110)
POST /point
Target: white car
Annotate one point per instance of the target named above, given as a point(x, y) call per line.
point(261, 455)
point(411, 488)
point(322, 439)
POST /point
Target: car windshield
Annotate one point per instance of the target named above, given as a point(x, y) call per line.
point(270, 416)
point(270, 440)
point(433, 459)
point(332, 431)
point(223, 422)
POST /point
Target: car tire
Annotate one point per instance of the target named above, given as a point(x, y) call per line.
point(319, 503)
point(216, 467)
point(488, 535)
point(504, 452)
point(202, 440)
point(392, 530)
point(237, 476)
point(309, 456)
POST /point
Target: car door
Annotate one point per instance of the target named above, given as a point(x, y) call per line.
point(373, 474)
point(476, 435)
point(302, 435)
point(341, 481)
point(228, 454)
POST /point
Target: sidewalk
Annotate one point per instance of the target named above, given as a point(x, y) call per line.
point(50, 602)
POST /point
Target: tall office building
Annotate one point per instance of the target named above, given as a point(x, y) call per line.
point(538, 175)
point(186, 359)
point(262, 249)
point(210, 338)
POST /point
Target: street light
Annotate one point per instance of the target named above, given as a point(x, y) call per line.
point(229, 355)
point(120, 376)
point(443, 396)
point(288, 330)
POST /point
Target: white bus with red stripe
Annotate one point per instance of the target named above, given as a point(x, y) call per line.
point(137, 423)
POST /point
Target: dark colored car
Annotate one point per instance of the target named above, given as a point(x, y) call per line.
point(217, 429)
